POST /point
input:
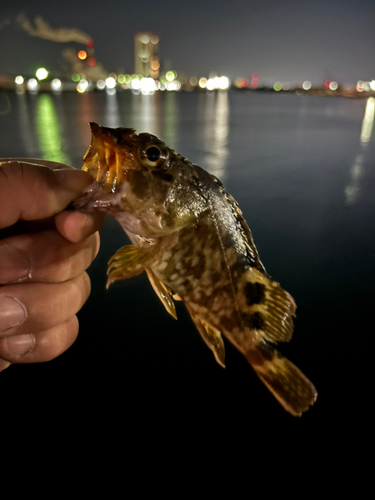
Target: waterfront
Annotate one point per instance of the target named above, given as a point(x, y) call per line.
point(302, 170)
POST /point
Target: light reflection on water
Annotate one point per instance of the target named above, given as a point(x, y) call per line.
point(352, 190)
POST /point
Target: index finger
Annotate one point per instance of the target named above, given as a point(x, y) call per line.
point(31, 191)
point(37, 161)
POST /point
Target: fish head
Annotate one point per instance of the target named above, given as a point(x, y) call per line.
point(139, 180)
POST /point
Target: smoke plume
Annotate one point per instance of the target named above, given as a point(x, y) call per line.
point(41, 29)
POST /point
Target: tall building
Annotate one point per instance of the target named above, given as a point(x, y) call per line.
point(146, 54)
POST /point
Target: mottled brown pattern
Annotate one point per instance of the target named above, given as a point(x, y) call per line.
point(196, 244)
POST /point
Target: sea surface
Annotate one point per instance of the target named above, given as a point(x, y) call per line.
point(303, 171)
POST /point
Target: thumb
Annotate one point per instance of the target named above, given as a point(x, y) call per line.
point(32, 192)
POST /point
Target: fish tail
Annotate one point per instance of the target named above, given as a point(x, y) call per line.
point(287, 383)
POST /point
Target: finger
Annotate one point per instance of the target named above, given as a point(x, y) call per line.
point(3, 364)
point(24, 258)
point(32, 192)
point(43, 346)
point(75, 226)
point(34, 307)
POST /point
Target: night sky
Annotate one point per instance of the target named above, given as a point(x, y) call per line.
point(287, 41)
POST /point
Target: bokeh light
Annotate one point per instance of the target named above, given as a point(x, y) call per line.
point(41, 73)
point(19, 80)
point(56, 84)
point(110, 82)
point(306, 85)
point(32, 84)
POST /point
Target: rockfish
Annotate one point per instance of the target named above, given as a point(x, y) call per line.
point(190, 237)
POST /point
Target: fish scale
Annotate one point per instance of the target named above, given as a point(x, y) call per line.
point(189, 235)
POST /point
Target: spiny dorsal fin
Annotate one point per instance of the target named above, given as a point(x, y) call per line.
point(266, 307)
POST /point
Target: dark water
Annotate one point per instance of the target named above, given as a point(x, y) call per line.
point(302, 170)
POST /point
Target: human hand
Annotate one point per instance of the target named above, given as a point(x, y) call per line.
point(44, 252)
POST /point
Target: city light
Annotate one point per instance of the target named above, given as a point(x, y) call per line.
point(56, 84)
point(82, 54)
point(306, 85)
point(224, 83)
point(333, 85)
point(174, 86)
point(41, 73)
point(170, 76)
point(100, 84)
point(32, 84)
point(19, 80)
point(110, 82)
point(277, 86)
point(147, 85)
point(82, 86)
point(202, 82)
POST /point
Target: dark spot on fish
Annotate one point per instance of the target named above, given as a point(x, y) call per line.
point(263, 352)
point(164, 176)
point(256, 321)
point(254, 293)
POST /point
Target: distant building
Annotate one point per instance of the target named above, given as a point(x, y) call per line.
point(146, 54)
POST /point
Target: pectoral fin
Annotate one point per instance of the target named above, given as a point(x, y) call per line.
point(127, 262)
point(211, 336)
point(162, 292)
point(132, 260)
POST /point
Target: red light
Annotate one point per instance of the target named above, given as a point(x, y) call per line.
point(254, 84)
point(327, 82)
point(91, 61)
point(255, 76)
point(244, 82)
point(90, 43)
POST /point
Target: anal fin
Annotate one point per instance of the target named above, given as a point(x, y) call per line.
point(162, 292)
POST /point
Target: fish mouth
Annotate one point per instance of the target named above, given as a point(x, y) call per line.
point(110, 155)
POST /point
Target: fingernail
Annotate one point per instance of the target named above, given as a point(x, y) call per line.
point(19, 344)
point(12, 313)
point(15, 264)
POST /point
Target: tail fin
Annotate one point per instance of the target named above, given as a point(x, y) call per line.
point(287, 383)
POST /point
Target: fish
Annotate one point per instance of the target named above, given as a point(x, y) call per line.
point(190, 237)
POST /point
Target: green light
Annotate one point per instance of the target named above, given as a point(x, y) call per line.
point(48, 130)
point(170, 75)
point(41, 73)
point(75, 77)
point(277, 86)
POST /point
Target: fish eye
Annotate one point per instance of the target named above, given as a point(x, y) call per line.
point(153, 155)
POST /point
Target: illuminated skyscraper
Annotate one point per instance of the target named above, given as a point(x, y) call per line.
point(146, 54)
